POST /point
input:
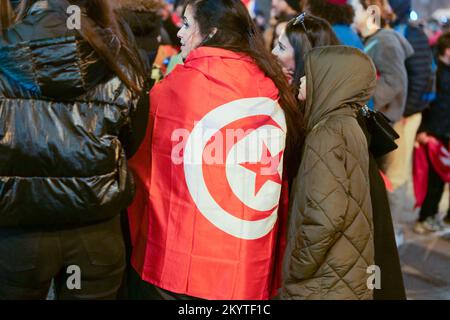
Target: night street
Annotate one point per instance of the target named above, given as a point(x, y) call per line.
point(426, 261)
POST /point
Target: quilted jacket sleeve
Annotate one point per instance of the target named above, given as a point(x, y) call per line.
point(320, 201)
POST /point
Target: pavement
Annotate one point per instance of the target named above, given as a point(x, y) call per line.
point(426, 265)
point(425, 259)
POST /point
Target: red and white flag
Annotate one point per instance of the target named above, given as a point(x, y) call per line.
point(211, 197)
point(433, 153)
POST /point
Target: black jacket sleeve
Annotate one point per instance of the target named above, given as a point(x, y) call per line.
point(133, 134)
point(420, 73)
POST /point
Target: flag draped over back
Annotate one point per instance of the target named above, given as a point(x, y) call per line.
point(206, 218)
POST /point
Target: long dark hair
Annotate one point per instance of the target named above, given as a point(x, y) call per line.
point(314, 32)
point(237, 32)
point(6, 15)
point(100, 27)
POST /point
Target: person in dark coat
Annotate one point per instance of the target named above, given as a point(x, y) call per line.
point(436, 123)
point(389, 51)
point(68, 117)
point(421, 80)
point(419, 65)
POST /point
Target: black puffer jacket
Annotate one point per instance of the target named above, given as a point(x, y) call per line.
point(419, 67)
point(436, 119)
point(61, 114)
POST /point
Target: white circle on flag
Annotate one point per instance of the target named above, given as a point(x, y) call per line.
point(238, 177)
point(250, 149)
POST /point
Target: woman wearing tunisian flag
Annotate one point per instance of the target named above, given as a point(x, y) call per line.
point(210, 211)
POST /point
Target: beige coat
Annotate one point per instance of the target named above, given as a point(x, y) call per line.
point(330, 240)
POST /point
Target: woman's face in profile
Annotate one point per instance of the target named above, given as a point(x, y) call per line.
point(370, 20)
point(361, 17)
point(284, 52)
point(189, 33)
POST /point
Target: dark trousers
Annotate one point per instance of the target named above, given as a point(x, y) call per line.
point(435, 190)
point(30, 259)
point(124, 291)
point(386, 253)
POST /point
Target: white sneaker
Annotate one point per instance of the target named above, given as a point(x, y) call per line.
point(438, 223)
point(399, 238)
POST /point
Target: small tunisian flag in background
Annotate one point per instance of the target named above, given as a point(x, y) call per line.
point(211, 198)
point(434, 153)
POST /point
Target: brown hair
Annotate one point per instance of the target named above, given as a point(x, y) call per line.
point(100, 27)
point(316, 32)
point(387, 14)
point(334, 14)
point(237, 32)
point(102, 14)
point(6, 15)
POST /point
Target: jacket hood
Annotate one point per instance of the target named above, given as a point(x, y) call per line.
point(387, 36)
point(406, 46)
point(336, 77)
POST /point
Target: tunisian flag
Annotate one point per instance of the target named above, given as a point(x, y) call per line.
point(210, 212)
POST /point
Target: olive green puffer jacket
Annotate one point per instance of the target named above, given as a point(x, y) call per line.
point(330, 239)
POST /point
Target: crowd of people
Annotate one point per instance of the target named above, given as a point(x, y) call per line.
point(217, 149)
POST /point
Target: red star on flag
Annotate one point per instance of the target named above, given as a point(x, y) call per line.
point(266, 169)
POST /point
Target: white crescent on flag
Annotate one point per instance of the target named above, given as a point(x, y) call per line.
point(244, 166)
